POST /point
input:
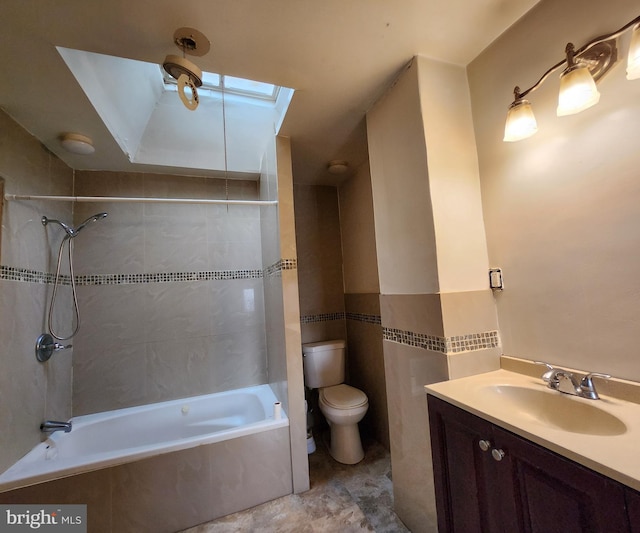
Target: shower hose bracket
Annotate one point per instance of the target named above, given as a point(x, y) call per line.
point(46, 346)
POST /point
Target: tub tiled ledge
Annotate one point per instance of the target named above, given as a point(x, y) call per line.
point(499, 398)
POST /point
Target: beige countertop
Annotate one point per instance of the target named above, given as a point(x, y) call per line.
point(615, 452)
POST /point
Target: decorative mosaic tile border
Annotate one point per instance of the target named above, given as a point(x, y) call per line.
point(473, 341)
point(446, 345)
point(282, 264)
point(33, 276)
point(369, 319)
point(324, 317)
point(30, 276)
point(166, 277)
point(419, 340)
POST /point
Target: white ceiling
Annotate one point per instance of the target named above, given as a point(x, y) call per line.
point(339, 56)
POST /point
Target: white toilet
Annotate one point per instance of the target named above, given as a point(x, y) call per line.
point(343, 406)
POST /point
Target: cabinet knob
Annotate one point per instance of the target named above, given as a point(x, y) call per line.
point(497, 454)
point(484, 445)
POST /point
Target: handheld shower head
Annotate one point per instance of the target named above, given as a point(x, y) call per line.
point(73, 232)
point(92, 218)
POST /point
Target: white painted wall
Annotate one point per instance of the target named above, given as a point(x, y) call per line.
point(561, 208)
point(405, 238)
point(454, 179)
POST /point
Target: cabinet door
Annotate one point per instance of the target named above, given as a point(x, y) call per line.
point(470, 496)
point(633, 509)
point(555, 494)
point(529, 490)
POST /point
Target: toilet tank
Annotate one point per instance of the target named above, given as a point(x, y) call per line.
point(323, 363)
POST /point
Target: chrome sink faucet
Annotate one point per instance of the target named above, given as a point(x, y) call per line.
point(565, 381)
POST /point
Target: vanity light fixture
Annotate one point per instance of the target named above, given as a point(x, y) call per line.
point(578, 91)
point(633, 61)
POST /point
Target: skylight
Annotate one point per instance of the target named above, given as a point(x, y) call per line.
point(153, 127)
point(231, 84)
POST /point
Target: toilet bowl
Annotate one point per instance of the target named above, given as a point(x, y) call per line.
point(343, 407)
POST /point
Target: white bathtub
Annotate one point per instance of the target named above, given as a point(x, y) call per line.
point(114, 437)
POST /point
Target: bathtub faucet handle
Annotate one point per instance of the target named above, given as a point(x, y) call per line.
point(45, 346)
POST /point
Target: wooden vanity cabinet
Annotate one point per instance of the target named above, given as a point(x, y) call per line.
point(489, 480)
point(633, 509)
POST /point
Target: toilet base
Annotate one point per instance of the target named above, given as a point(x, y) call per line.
point(346, 446)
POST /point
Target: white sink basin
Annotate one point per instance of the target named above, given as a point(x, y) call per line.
point(565, 412)
point(600, 434)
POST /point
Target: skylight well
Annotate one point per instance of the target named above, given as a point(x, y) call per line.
point(153, 127)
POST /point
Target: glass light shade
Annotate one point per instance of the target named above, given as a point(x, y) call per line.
point(633, 62)
point(521, 123)
point(77, 144)
point(578, 91)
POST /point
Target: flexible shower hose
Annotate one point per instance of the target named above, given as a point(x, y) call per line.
point(56, 284)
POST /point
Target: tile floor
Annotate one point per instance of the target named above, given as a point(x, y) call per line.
point(342, 499)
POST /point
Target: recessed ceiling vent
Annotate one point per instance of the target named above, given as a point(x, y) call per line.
point(189, 76)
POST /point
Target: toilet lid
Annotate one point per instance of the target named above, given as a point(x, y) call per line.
point(343, 397)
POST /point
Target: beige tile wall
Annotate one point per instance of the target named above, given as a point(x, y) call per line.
point(29, 391)
point(320, 279)
point(139, 343)
point(322, 234)
point(174, 491)
point(291, 317)
point(365, 361)
point(360, 264)
point(147, 342)
point(420, 313)
point(438, 317)
point(407, 370)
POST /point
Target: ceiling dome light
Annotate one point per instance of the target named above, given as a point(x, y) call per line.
point(338, 167)
point(633, 62)
point(77, 143)
point(521, 122)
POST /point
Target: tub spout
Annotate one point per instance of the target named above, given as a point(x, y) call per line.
point(51, 426)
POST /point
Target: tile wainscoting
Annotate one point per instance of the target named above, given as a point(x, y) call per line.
point(149, 337)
